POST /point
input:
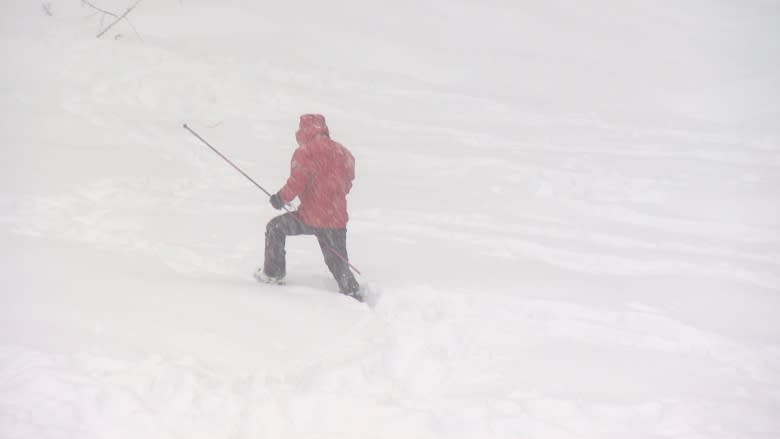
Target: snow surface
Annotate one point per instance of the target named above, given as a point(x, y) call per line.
point(571, 212)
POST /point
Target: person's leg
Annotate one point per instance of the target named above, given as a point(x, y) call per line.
point(276, 233)
point(332, 241)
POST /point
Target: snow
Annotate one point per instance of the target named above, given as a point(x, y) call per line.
point(568, 214)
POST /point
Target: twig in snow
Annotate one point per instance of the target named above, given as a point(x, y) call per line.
point(120, 18)
point(98, 9)
point(134, 30)
point(117, 17)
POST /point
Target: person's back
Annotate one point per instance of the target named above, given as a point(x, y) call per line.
point(321, 174)
point(324, 200)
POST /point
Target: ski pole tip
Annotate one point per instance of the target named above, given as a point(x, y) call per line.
point(184, 125)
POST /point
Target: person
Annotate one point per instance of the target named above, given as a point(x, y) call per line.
point(321, 175)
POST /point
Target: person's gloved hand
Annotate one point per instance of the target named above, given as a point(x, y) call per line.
point(276, 201)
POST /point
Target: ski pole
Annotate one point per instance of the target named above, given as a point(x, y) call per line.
point(335, 252)
point(225, 158)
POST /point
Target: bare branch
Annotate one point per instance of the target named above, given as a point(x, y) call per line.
point(120, 18)
point(47, 9)
point(98, 9)
point(134, 30)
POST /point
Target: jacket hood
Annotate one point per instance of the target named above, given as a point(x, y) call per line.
point(310, 127)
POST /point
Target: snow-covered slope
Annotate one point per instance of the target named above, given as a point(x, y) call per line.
point(570, 212)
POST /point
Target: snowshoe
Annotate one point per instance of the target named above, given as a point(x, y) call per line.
point(264, 278)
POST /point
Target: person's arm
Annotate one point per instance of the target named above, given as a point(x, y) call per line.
point(350, 164)
point(300, 171)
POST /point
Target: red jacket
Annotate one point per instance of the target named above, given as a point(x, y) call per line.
point(321, 174)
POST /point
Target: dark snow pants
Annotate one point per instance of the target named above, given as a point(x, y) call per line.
point(282, 226)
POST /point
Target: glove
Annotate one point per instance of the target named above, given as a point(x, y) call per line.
point(276, 201)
